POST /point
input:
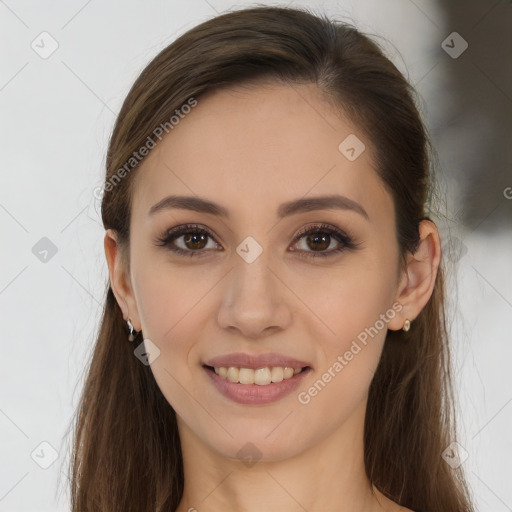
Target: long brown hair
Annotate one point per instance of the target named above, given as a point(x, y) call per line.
point(126, 447)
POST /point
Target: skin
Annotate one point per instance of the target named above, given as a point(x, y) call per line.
point(251, 149)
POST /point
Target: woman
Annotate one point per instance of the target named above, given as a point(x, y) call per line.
point(273, 336)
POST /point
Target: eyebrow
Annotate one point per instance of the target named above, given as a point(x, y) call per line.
point(308, 204)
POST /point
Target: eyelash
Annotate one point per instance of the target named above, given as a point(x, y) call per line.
point(346, 242)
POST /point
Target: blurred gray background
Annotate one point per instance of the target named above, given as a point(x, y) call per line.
point(66, 68)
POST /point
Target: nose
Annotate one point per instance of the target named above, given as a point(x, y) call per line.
point(254, 300)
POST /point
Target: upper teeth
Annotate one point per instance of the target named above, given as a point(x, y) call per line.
point(260, 376)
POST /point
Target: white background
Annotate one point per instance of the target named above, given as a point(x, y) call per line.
point(57, 115)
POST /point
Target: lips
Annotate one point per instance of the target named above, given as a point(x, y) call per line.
point(244, 378)
point(254, 394)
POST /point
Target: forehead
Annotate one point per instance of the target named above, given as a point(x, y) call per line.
point(255, 147)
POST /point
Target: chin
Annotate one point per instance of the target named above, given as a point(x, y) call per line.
point(254, 444)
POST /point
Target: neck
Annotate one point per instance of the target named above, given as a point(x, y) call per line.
point(329, 475)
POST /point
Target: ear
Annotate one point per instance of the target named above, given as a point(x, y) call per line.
point(419, 276)
point(120, 280)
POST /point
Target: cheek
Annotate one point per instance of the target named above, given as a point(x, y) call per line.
point(349, 357)
point(168, 317)
point(354, 309)
point(167, 296)
point(346, 302)
point(170, 302)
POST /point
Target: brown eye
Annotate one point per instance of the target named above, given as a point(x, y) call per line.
point(314, 241)
point(189, 240)
point(318, 241)
point(195, 241)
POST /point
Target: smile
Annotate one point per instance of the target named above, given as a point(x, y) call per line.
point(259, 376)
point(256, 386)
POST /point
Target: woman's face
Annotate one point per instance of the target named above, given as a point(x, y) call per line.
point(264, 155)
